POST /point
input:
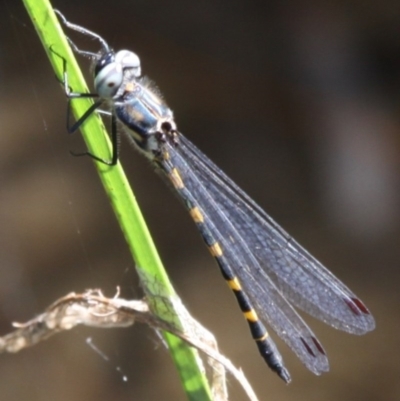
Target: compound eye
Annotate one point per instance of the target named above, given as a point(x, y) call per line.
point(129, 60)
point(108, 76)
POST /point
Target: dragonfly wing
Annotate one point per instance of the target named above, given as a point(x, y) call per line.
point(302, 279)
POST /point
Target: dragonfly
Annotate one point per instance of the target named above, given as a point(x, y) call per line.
point(268, 272)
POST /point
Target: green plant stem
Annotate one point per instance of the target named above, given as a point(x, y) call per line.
point(147, 261)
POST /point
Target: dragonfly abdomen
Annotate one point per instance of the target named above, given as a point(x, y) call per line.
point(265, 344)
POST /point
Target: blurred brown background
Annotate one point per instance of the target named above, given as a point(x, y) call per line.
point(298, 103)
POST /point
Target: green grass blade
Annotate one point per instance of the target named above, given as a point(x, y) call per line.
point(150, 269)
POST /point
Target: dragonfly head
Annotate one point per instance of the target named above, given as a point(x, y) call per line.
point(109, 71)
point(109, 67)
